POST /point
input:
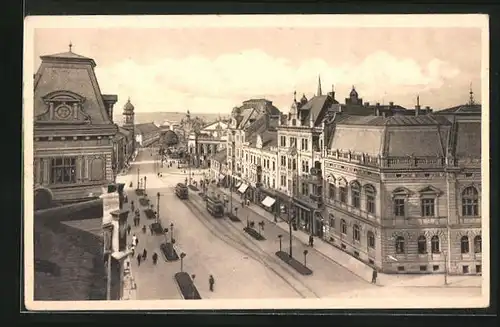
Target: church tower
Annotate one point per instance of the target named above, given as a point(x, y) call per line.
point(128, 115)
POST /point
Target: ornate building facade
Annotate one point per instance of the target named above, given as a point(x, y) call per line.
point(73, 129)
point(403, 193)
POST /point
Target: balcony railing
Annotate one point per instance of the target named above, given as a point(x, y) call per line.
point(358, 212)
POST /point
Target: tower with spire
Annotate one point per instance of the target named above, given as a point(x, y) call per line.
point(471, 96)
point(128, 116)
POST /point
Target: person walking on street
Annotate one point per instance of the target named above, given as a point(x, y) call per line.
point(134, 240)
point(139, 259)
point(144, 255)
point(311, 240)
point(211, 282)
point(155, 258)
point(374, 276)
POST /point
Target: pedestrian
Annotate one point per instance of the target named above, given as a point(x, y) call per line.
point(134, 239)
point(211, 282)
point(311, 240)
point(139, 259)
point(129, 228)
point(144, 229)
point(155, 258)
point(144, 255)
point(374, 276)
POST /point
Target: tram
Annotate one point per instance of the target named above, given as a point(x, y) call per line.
point(215, 207)
point(181, 191)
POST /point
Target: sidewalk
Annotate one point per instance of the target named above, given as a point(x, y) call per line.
point(129, 287)
point(361, 269)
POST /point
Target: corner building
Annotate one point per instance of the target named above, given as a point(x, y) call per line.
point(403, 193)
point(73, 130)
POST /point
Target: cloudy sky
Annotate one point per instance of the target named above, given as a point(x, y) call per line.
point(214, 69)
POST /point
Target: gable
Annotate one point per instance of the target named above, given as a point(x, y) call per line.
point(68, 83)
point(429, 190)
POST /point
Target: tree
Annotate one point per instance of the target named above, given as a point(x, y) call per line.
point(170, 138)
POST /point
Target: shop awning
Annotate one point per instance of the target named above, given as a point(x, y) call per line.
point(268, 201)
point(243, 188)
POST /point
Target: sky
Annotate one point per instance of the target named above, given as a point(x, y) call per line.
point(214, 69)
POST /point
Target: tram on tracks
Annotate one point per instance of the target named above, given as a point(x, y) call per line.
point(181, 191)
point(215, 207)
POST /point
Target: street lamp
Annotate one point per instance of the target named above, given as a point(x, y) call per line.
point(305, 256)
point(157, 206)
point(172, 233)
point(138, 172)
point(236, 212)
point(290, 221)
point(445, 254)
point(145, 183)
point(280, 237)
point(183, 255)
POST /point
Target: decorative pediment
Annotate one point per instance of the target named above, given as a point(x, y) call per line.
point(63, 96)
point(331, 179)
point(63, 107)
point(401, 191)
point(429, 190)
point(342, 182)
point(355, 184)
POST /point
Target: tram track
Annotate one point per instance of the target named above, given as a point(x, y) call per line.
point(231, 235)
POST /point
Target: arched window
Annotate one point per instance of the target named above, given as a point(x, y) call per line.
point(435, 244)
point(422, 244)
point(342, 190)
point(464, 244)
point(356, 233)
point(355, 195)
point(370, 198)
point(331, 189)
point(343, 227)
point(470, 202)
point(332, 221)
point(477, 244)
point(400, 245)
point(371, 239)
point(97, 169)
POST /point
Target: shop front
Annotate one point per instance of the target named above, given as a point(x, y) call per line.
point(267, 200)
point(283, 205)
point(304, 215)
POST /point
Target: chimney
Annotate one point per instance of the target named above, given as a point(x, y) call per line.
point(417, 106)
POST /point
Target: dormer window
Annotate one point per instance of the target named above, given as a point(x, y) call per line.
point(63, 106)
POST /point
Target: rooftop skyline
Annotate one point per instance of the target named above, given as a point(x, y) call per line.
point(214, 69)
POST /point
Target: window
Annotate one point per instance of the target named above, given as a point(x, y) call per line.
point(427, 207)
point(399, 207)
point(274, 183)
point(294, 164)
point(274, 165)
point(293, 142)
point(464, 244)
point(305, 166)
point(283, 180)
point(283, 161)
point(283, 141)
point(465, 269)
point(332, 221)
point(304, 144)
point(343, 194)
point(401, 268)
point(355, 195)
point(478, 269)
point(370, 199)
point(343, 227)
point(246, 156)
point(423, 268)
point(289, 163)
point(356, 233)
point(371, 239)
point(435, 267)
point(435, 244)
point(470, 202)
point(63, 170)
point(400, 245)
point(422, 244)
point(305, 189)
point(331, 191)
point(477, 244)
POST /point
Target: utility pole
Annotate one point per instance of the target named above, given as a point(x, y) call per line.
point(157, 206)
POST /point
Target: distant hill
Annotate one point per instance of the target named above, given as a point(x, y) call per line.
point(160, 117)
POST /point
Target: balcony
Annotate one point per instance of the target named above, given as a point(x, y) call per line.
point(318, 198)
point(414, 222)
point(356, 212)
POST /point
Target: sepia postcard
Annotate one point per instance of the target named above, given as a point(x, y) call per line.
point(256, 162)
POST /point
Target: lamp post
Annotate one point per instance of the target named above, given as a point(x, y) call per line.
point(172, 233)
point(305, 256)
point(145, 183)
point(236, 212)
point(182, 256)
point(291, 218)
point(280, 237)
point(138, 172)
point(157, 206)
point(445, 254)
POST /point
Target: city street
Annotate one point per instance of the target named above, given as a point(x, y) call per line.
point(242, 267)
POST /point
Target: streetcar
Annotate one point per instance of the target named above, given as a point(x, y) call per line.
point(215, 206)
point(181, 191)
